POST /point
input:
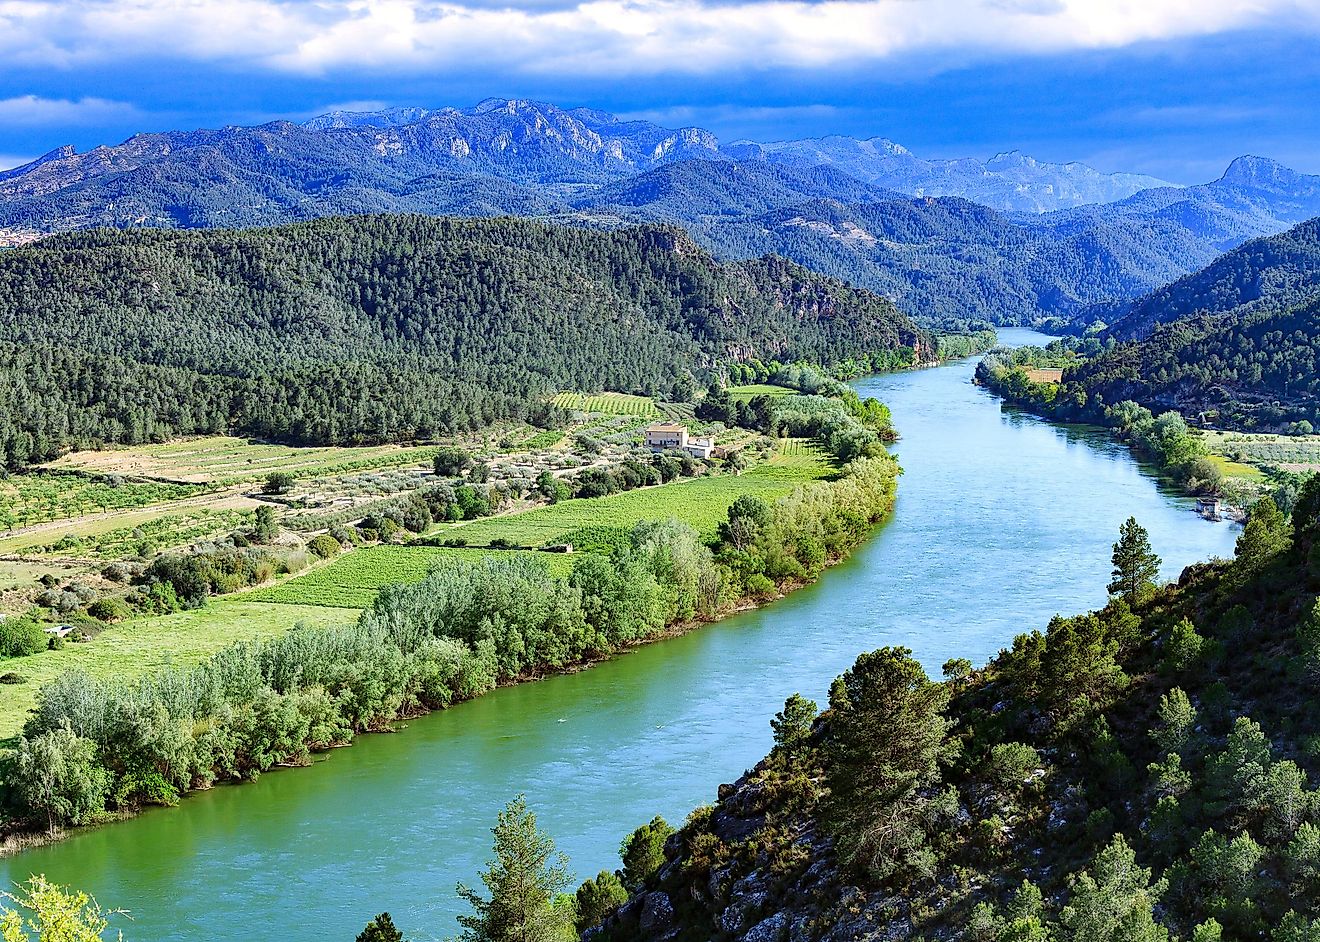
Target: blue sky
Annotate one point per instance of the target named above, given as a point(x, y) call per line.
point(1174, 88)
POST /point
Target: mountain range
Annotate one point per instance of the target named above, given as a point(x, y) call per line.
point(946, 240)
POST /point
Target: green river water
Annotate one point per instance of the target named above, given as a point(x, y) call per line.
point(1002, 521)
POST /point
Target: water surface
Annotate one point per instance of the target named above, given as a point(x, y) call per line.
point(1002, 521)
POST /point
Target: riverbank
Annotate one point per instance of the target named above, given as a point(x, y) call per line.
point(1033, 379)
point(420, 648)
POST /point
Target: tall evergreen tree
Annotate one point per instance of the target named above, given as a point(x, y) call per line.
point(887, 738)
point(380, 929)
point(523, 879)
point(1136, 567)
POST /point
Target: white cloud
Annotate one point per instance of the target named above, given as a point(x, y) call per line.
point(31, 110)
point(605, 37)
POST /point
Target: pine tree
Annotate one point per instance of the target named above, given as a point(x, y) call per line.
point(1136, 567)
point(380, 929)
point(523, 878)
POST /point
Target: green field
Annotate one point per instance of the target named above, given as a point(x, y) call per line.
point(743, 393)
point(1291, 452)
point(610, 403)
point(224, 460)
point(145, 644)
point(142, 539)
point(354, 579)
point(701, 502)
point(29, 499)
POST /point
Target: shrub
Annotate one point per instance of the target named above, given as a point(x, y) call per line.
point(21, 636)
point(324, 546)
point(278, 482)
point(108, 609)
point(9, 677)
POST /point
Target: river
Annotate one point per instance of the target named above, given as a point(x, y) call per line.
point(1002, 521)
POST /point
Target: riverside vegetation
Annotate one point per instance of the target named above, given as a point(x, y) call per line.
point(94, 745)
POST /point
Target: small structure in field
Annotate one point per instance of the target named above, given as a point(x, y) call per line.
point(59, 631)
point(663, 436)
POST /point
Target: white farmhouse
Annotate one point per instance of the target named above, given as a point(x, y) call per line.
point(664, 436)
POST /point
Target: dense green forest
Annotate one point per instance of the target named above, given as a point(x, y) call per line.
point(370, 329)
point(1274, 272)
point(1139, 773)
point(1252, 369)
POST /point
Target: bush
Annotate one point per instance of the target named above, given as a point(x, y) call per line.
point(9, 677)
point(278, 482)
point(451, 461)
point(324, 546)
point(108, 609)
point(21, 636)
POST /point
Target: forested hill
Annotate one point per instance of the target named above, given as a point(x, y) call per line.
point(1252, 368)
point(1143, 773)
point(1276, 271)
point(385, 328)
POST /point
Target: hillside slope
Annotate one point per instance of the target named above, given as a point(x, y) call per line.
point(1135, 774)
point(1274, 271)
point(385, 328)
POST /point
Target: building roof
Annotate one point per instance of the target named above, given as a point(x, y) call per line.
point(666, 427)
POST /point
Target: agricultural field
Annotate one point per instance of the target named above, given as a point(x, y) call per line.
point(743, 393)
point(1289, 452)
point(609, 403)
point(30, 499)
point(222, 460)
point(354, 579)
point(142, 540)
point(146, 644)
point(701, 502)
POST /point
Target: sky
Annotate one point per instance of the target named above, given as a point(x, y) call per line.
point(1172, 88)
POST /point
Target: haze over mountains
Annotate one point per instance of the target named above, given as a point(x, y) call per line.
point(1009, 240)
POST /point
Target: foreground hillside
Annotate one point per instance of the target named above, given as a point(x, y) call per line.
point(1134, 774)
point(390, 328)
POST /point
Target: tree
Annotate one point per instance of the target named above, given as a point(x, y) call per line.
point(265, 529)
point(278, 482)
point(1114, 901)
point(792, 724)
point(53, 913)
point(1136, 567)
point(451, 461)
point(522, 879)
point(885, 738)
point(748, 518)
point(1177, 717)
point(643, 853)
point(597, 898)
point(380, 929)
point(1265, 536)
point(57, 772)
